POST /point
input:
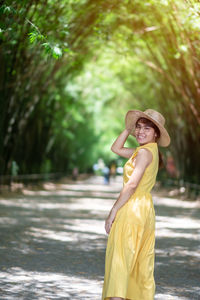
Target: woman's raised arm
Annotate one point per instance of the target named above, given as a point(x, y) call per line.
point(118, 145)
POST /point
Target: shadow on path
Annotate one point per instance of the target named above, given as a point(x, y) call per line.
point(53, 243)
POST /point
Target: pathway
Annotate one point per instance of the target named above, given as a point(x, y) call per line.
point(52, 243)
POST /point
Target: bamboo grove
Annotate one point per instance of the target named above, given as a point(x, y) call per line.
point(70, 70)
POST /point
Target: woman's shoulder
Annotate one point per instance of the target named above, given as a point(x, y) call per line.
point(144, 154)
point(146, 150)
point(149, 146)
point(148, 153)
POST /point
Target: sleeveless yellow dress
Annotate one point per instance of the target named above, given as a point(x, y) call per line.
point(129, 267)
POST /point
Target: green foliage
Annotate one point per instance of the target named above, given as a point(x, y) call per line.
point(35, 36)
point(71, 69)
point(34, 40)
point(53, 50)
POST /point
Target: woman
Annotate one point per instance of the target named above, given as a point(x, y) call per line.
point(131, 222)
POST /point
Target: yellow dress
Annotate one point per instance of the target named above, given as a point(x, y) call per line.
point(129, 267)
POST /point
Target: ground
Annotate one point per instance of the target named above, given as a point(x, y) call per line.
point(53, 242)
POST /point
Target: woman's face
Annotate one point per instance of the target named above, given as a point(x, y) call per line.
point(144, 133)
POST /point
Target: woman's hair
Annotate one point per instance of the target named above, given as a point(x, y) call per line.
point(157, 131)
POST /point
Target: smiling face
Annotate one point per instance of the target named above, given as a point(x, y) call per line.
point(146, 131)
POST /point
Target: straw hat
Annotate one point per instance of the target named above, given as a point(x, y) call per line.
point(133, 115)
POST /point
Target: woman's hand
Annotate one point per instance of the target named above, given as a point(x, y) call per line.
point(129, 130)
point(110, 219)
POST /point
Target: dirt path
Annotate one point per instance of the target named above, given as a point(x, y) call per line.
point(53, 243)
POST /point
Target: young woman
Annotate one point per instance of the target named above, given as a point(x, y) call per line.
point(129, 268)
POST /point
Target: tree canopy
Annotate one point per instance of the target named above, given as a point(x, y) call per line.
point(71, 69)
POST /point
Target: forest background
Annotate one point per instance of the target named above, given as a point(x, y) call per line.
point(71, 69)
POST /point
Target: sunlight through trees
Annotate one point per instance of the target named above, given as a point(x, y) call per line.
point(71, 69)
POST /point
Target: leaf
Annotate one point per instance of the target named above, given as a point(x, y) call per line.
point(7, 10)
point(33, 36)
point(57, 52)
point(47, 47)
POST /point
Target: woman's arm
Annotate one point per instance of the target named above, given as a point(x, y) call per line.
point(118, 145)
point(144, 158)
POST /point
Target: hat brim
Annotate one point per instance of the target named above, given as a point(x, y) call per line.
point(133, 115)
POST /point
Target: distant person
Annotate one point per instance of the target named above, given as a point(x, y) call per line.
point(129, 267)
point(14, 168)
point(113, 170)
point(75, 173)
point(106, 174)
